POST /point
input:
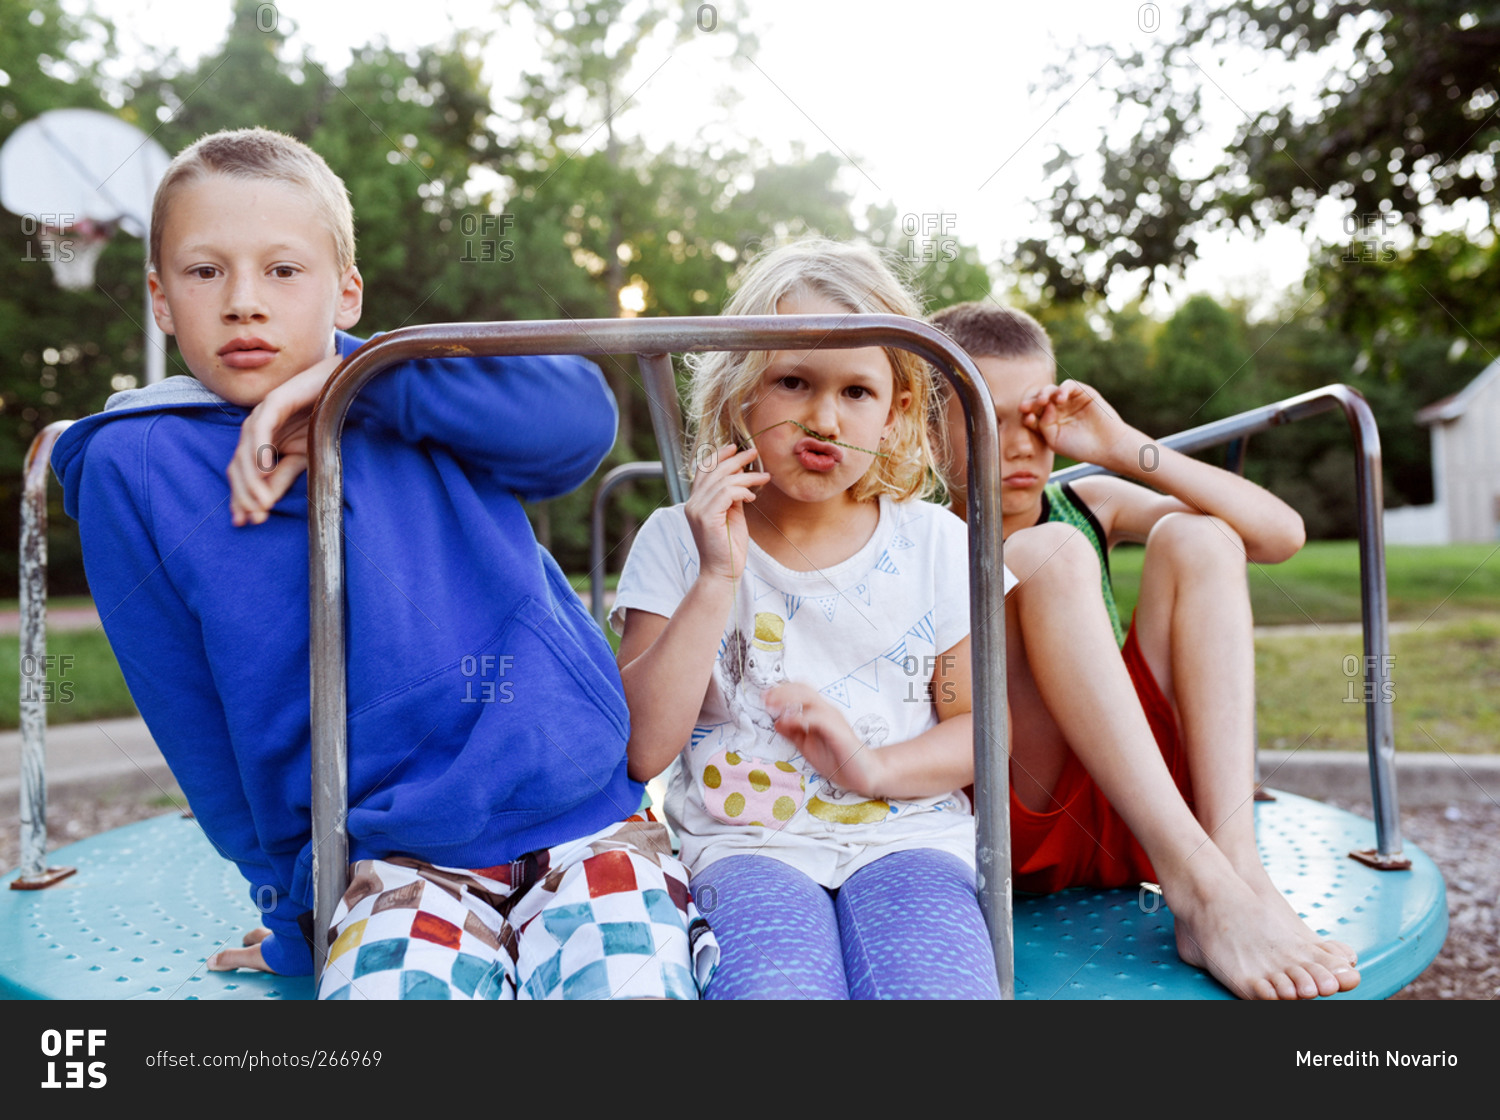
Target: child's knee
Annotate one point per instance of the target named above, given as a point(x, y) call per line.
point(1195, 542)
point(1052, 553)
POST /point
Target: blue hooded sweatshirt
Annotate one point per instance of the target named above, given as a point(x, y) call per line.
point(486, 716)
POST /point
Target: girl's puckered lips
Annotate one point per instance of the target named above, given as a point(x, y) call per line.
point(816, 455)
point(247, 353)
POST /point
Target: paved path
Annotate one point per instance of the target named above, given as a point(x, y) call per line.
point(69, 618)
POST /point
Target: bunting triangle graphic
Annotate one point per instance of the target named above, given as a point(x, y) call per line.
point(898, 541)
point(897, 654)
point(792, 602)
point(838, 690)
point(923, 628)
point(863, 591)
point(829, 603)
point(886, 564)
point(762, 588)
point(868, 674)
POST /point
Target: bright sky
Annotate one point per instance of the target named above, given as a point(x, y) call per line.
point(930, 105)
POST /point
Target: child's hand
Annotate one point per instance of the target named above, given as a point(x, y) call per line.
point(716, 513)
point(1074, 420)
point(227, 960)
point(824, 738)
point(272, 450)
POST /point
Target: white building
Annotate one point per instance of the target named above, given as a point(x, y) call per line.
point(1465, 431)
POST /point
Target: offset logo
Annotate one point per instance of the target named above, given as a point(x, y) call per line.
point(75, 1046)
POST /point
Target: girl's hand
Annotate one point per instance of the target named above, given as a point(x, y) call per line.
point(227, 960)
point(824, 738)
point(716, 514)
point(272, 450)
point(1074, 420)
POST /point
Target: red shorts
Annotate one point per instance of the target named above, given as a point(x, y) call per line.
point(1082, 841)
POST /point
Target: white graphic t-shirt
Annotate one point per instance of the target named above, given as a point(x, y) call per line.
point(867, 634)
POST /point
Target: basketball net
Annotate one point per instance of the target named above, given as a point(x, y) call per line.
point(73, 252)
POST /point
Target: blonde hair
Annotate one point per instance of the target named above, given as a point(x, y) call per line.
point(259, 153)
point(854, 277)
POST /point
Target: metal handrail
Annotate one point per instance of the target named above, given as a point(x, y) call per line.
point(657, 337)
point(33, 610)
point(1379, 725)
point(625, 472)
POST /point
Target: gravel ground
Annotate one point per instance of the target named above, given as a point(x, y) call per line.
point(1463, 839)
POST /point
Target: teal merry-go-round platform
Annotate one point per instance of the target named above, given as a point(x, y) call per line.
point(150, 902)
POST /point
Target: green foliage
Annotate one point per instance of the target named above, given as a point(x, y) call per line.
point(1402, 127)
point(468, 206)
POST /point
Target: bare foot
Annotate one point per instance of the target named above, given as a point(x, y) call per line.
point(1256, 949)
point(1260, 882)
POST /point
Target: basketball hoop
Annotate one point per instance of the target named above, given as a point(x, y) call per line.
point(73, 252)
point(85, 174)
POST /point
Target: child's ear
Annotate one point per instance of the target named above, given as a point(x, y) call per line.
point(898, 406)
point(351, 299)
point(161, 311)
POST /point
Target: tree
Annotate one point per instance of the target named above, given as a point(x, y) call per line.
point(1402, 128)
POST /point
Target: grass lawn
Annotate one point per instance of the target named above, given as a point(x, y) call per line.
point(1321, 583)
point(1445, 684)
point(83, 679)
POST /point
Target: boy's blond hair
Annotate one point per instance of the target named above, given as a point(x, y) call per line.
point(259, 153)
point(854, 277)
point(986, 330)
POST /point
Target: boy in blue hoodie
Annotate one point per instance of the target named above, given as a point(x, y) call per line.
point(495, 851)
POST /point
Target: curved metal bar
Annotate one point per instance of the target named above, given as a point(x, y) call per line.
point(1379, 725)
point(658, 336)
point(666, 420)
point(625, 472)
point(34, 664)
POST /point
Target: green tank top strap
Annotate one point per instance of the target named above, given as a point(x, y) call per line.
point(1060, 503)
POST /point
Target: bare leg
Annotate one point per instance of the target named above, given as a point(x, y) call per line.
point(1194, 627)
point(1059, 638)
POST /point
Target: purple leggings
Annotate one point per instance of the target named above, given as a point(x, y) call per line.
point(907, 926)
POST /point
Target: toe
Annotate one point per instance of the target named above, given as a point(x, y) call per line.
point(1286, 987)
point(1262, 989)
point(1304, 982)
point(1325, 983)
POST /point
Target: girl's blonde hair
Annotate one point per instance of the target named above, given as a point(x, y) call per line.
point(854, 277)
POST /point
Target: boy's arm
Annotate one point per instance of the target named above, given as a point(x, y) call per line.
point(159, 645)
point(539, 425)
point(1075, 420)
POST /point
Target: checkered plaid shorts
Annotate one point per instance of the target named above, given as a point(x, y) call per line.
point(607, 916)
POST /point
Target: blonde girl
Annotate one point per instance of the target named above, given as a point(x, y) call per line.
point(797, 633)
